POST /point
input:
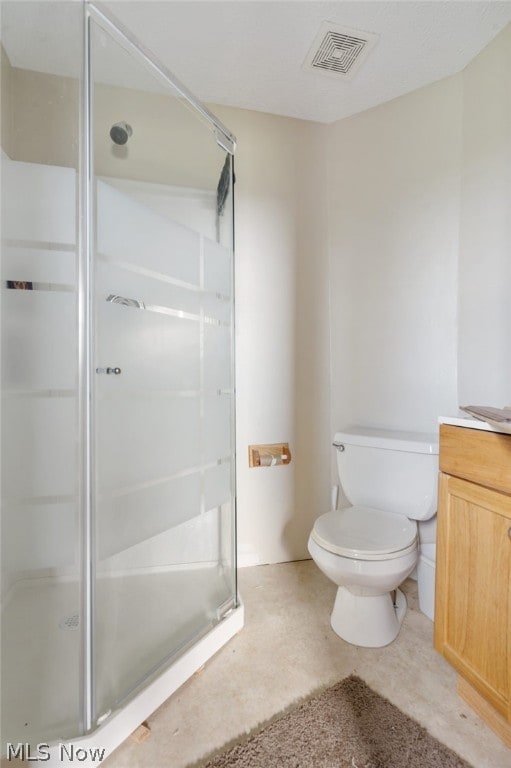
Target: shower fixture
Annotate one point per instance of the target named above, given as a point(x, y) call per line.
point(120, 132)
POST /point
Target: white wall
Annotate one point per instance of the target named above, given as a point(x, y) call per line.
point(484, 358)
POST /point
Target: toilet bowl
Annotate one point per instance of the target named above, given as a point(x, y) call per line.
point(369, 550)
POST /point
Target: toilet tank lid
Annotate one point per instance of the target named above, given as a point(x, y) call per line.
point(392, 440)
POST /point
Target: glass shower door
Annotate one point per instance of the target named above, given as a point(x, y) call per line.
point(162, 383)
point(40, 404)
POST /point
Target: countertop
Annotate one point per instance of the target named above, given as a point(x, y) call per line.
point(470, 423)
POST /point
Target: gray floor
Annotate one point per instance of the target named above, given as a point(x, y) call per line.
point(286, 651)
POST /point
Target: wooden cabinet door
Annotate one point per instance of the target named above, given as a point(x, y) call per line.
point(473, 592)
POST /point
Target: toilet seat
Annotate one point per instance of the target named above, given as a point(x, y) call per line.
point(363, 533)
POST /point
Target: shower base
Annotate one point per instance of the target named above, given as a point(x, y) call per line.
point(141, 619)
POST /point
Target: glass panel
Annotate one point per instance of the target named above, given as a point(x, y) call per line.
point(163, 414)
point(40, 646)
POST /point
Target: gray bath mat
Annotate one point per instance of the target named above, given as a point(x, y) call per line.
point(346, 726)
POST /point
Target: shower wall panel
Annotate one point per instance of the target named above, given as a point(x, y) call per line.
point(39, 370)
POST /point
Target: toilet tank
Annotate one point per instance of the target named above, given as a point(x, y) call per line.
point(389, 470)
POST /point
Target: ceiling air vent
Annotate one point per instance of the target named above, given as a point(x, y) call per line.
point(339, 51)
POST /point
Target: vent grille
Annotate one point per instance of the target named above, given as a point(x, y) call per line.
point(339, 51)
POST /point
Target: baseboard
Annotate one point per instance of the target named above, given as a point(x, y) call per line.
point(248, 559)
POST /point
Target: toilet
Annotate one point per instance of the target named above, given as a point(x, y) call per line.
point(371, 547)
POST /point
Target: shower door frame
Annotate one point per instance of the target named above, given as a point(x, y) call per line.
point(150, 694)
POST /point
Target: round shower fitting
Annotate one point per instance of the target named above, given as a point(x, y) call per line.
point(120, 132)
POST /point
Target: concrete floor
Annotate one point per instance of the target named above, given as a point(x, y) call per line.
point(286, 651)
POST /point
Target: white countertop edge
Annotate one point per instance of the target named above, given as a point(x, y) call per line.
point(469, 423)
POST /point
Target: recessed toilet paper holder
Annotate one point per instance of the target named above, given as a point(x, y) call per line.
point(269, 455)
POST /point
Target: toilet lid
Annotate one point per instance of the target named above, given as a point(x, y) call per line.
point(365, 533)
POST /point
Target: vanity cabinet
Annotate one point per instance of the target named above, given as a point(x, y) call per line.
point(473, 569)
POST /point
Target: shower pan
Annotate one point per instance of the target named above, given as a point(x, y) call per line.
point(118, 438)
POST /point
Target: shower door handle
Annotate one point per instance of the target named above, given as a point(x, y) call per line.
point(115, 371)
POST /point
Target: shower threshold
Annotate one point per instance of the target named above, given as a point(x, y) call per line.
point(43, 608)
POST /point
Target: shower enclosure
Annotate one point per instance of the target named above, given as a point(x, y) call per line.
point(118, 505)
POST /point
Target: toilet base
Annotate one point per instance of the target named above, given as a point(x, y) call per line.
point(370, 621)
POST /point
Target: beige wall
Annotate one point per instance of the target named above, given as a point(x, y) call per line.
point(169, 144)
point(394, 188)
point(281, 291)
point(44, 118)
point(377, 247)
point(5, 102)
point(282, 329)
point(484, 358)
point(420, 237)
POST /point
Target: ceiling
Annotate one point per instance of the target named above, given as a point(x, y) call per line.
point(250, 53)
